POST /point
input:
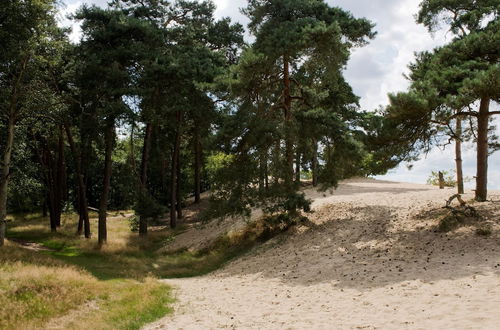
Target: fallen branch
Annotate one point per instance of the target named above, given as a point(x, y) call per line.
point(96, 210)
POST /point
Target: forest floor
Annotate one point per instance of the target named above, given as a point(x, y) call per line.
point(370, 258)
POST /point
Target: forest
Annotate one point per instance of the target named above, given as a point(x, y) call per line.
point(162, 106)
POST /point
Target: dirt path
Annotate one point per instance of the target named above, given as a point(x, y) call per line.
point(371, 261)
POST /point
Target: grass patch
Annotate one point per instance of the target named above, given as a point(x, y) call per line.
point(484, 231)
point(147, 258)
point(224, 249)
point(126, 304)
point(129, 256)
point(36, 288)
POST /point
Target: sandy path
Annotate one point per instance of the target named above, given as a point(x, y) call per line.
point(370, 261)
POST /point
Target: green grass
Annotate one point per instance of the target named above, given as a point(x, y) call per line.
point(129, 256)
point(126, 305)
point(38, 288)
point(119, 277)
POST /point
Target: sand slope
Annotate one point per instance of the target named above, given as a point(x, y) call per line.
point(370, 260)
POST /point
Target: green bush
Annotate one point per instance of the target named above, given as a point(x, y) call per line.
point(449, 178)
point(147, 207)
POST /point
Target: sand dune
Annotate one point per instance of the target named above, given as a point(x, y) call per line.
point(370, 259)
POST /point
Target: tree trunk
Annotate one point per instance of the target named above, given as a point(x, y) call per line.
point(262, 171)
point(79, 228)
point(297, 167)
point(52, 211)
point(44, 208)
point(276, 159)
point(266, 172)
point(146, 150)
point(47, 162)
point(4, 178)
point(288, 123)
point(109, 138)
point(178, 202)
point(441, 180)
point(458, 156)
point(314, 163)
point(7, 154)
point(197, 166)
point(42, 150)
point(84, 222)
point(173, 173)
point(59, 177)
point(133, 165)
point(482, 151)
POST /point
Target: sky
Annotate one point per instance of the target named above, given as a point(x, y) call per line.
point(374, 70)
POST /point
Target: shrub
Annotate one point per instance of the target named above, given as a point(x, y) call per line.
point(146, 206)
point(449, 178)
point(483, 231)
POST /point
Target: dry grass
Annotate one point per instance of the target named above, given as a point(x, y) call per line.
point(126, 255)
point(35, 288)
point(70, 283)
point(124, 305)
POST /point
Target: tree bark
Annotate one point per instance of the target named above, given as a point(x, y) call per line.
point(178, 202)
point(173, 173)
point(84, 222)
point(44, 208)
point(50, 174)
point(262, 171)
point(276, 160)
point(146, 150)
point(441, 180)
point(297, 167)
point(288, 119)
point(482, 151)
point(109, 139)
point(458, 156)
point(266, 172)
point(133, 165)
point(4, 178)
point(59, 177)
point(314, 163)
point(197, 166)
point(7, 154)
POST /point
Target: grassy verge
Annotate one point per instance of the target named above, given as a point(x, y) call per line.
point(129, 256)
point(111, 287)
point(36, 288)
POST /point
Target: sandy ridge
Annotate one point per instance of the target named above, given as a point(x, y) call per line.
point(370, 261)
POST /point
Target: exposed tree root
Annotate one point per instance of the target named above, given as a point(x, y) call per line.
point(459, 215)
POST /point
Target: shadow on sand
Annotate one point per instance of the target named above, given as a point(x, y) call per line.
point(368, 247)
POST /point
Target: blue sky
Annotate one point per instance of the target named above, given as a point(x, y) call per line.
point(376, 70)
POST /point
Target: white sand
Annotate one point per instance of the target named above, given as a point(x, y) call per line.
point(371, 261)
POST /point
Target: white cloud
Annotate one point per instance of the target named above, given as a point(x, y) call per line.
point(221, 5)
point(66, 10)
